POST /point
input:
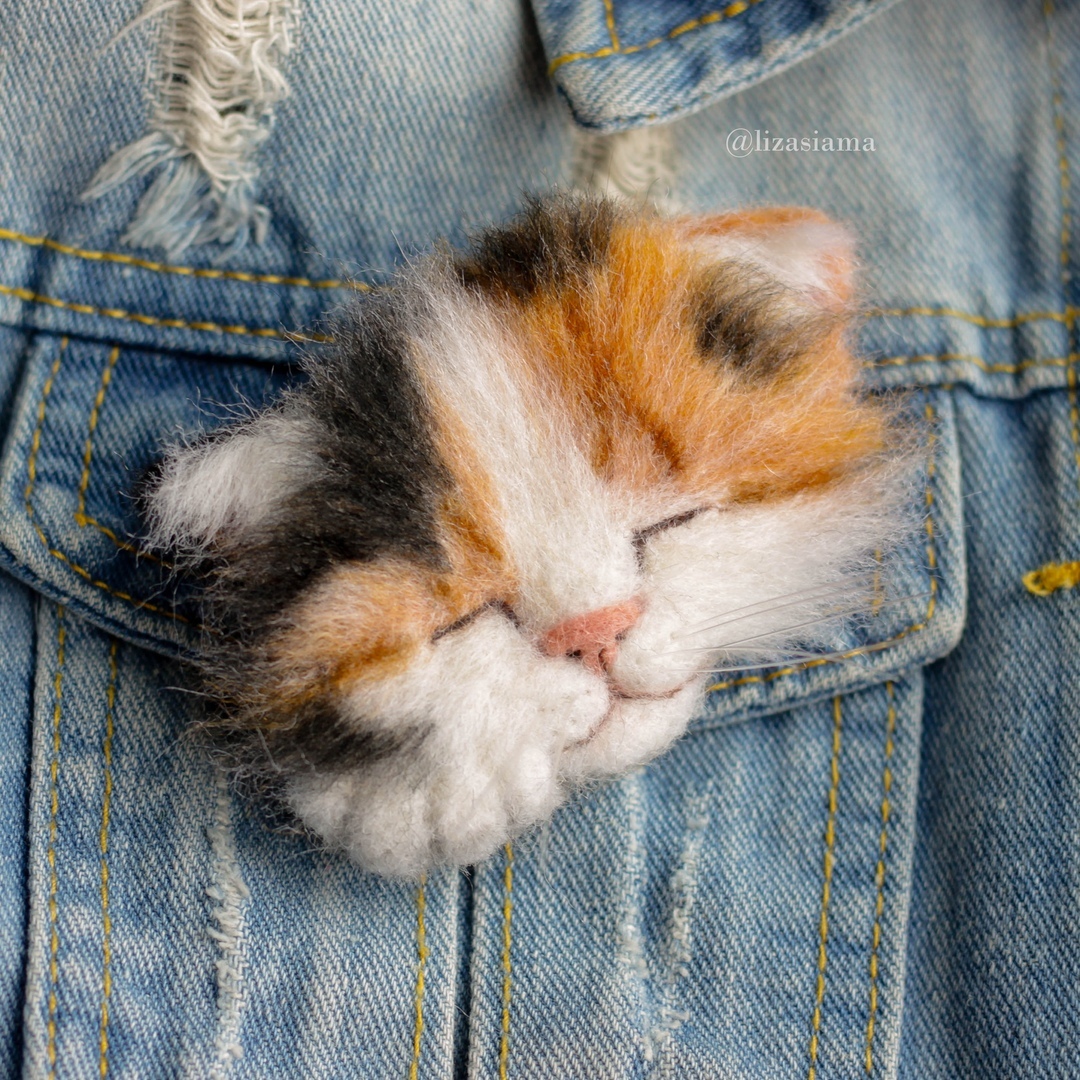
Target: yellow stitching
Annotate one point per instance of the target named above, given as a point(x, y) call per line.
point(508, 908)
point(826, 889)
point(865, 650)
point(99, 584)
point(31, 472)
point(81, 517)
point(124, 545)
point(1074, 411)
point(88, 450)
point(422, 953)
point(931, 358)
point(569, 58)
point(609, 14)
point(879, 872)
point(979, 320)
point(106, 918)
point(729, 12)
point(151, 320)
point(167, 268)
point(54, 810)
point(35, 442)
point(1051, 577)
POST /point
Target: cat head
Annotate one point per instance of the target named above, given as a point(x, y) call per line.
point(491, 547)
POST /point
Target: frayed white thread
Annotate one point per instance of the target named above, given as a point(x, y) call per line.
point(213, 85)
point(631, 954)
point(636, 165)
point(684, 886)
point(230, 895)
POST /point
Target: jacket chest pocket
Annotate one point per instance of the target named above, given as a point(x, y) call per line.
point(91, 416)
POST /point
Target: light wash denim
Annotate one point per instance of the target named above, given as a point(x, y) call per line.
point(865, 867)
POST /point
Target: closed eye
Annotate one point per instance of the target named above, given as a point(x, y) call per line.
point(460, 624)
point(643, 536)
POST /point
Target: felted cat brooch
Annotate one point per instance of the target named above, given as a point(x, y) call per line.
point(492, 547)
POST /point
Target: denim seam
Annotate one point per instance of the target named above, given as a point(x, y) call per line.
point(508, 909)
point(826, 889)
point(246, 276)
point(83, 519)
point(862, 650)
point(977, 361)
point(931, 540)
point(986, 321)
point(31, 471)
point(250, 277)
point(54, 811)
point(609, 16)
point(88, 448)
point(106, 810)
point(1065, 202)
point(152, 320)
point(879, 872)
point(422, 953)
point(608, 51)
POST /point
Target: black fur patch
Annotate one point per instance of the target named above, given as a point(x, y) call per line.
point(321, 739)
point(745, 321)
point(548, 247)
point(376, 492)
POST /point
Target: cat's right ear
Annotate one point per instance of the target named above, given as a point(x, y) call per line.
point(206, 493)
point(801, 248)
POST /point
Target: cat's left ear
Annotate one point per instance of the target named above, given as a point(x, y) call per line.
point(801, 248)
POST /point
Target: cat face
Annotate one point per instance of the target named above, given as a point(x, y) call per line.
point(491, 548)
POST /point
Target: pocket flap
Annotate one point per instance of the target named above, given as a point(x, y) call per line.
point(629, 62)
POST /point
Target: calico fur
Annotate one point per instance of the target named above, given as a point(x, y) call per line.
point(491, 548)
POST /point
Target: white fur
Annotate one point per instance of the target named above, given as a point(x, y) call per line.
point(755, 579)
point(509, 733)
point(801, 255)
point(565, 531)
point(495, 717)
point(229, 485)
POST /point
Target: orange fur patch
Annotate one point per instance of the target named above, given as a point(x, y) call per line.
point(622, 358)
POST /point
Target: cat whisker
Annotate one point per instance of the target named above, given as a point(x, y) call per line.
point(838, 613)
point(839, 587)
point(800, 657)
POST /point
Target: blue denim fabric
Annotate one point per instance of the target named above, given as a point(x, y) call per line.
point(16, 702)
point(862, 867)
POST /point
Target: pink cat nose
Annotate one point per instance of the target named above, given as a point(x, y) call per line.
point(594, 637)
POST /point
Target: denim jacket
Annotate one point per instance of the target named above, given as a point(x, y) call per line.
point(860, 866)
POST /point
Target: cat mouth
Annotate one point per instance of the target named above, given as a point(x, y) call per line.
point(623, 695)
point(617, 696)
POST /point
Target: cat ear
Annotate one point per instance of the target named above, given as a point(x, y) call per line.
point(801, 248)
point(225, 483)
